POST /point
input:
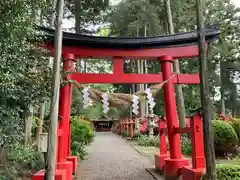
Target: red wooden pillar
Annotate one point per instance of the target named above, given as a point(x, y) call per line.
point(175, 162)
point(73, 159)
point(64, 121)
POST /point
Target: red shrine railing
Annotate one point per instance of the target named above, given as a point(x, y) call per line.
point(194, 129)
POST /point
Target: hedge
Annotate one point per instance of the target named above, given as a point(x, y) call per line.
point(226, 172)
point(225, 137)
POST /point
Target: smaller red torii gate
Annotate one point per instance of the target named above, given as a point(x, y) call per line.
point(162, 48)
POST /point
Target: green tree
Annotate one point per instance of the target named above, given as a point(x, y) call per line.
point(24, 75)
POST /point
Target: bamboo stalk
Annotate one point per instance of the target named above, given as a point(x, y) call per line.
point(52, 135)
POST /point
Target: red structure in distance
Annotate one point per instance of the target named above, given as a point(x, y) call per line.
point(161, 48)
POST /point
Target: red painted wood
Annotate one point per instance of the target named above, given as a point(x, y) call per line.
point(64, 113)
point(198, 158)
point(171, 109)
point(118, 66)
point(163, 137)
point(186, 130)
point(88, 78)
point(176, 52)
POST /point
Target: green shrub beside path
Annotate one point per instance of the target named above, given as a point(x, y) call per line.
point(82, 134)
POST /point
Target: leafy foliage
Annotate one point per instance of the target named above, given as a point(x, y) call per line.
point(225, 137)
point(81, 135)
point(24, 75)
point(136, 16)
point(124, 134)
point(186, 145)
point(144, 140)
point(22, 162)
point(86, 13)
point(226, 172)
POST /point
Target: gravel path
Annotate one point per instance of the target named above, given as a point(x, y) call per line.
point(111, 158)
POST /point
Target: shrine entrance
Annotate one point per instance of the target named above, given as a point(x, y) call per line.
point(102, 124)
point(164, 49)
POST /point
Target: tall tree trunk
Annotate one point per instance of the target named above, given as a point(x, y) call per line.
point(178, 88)
point(205, 95)
point(140, 68)
point(40, 123)
point(77, 15)
point(222, 106)
point(29, 112)
point(78, 28)
point(42, 105)
point(53, 16)
point(146, 70)
point(142, 104)
point(235, 105)
point(52, 137)
point(130, 107)
point(28, 126)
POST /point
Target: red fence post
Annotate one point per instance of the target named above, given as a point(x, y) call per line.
point(163, 138)
point(131, 130)
point(198, 160)
point(160, 158)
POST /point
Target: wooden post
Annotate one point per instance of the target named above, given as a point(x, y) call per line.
point(28, 126)
point(205, 95)
point(52, 141)
point(40, 124)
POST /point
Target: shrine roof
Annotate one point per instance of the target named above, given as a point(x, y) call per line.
point(178, 39)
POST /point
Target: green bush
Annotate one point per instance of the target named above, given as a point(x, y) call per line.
point(144, 140)
point(136, 135)
point(21, 162)
point(186, 145)
point(26, 156)
point(124, 134)
point(225, 137)
point(226, 172)
point(236, 125)
point(81, 135)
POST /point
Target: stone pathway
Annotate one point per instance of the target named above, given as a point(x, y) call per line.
point(111, 158)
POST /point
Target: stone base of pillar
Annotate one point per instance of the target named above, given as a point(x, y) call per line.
point(160, 162)
point(74, 160)
point(191, 174)
point(68, 167)
point(172, 169)
point(59, 175)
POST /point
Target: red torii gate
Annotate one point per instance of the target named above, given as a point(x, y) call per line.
point(161, 48)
